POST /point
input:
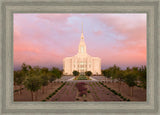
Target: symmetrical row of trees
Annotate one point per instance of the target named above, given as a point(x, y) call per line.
point(35, 78)
point(131, 76)
point(87, 73)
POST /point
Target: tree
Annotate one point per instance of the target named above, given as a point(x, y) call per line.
point(44, 81)
point(88, 73)
point(44, 71)
point(130, 79)
point(56, 72)
point(19, 79)
point(75, 73)
point(128, 69)
point(24, 69)
point(103, 72)
point(52, 77)
point(33, 83)
point(143, 77)
point(113, 71)
point(107, 73)
point(36, 70)
point(120, 77)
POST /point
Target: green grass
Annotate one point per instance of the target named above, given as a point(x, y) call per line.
point(82, 77)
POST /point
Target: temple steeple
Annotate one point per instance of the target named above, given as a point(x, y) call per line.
point(82, 45)
point(82, 61)
point(82, 37)
point(82, 27)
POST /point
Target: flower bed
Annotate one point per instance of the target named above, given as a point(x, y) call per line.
point(81, 88)
point(81, 77)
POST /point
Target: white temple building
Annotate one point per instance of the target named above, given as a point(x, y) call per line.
point(82, 62)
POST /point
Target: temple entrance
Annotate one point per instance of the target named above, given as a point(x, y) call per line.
point(82, 73)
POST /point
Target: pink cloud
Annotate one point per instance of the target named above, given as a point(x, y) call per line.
point(133, 27)
point(45, 39)
point(54, 17)
point(98, 33)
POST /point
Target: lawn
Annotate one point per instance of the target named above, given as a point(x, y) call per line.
point(82, 77)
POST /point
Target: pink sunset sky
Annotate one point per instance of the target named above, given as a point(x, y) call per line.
point(45, 39)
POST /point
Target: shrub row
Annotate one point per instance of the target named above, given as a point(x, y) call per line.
point(82, 77)
point(47, 98)
point(125, 99)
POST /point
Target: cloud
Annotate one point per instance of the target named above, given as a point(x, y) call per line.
point(45, 39)
point(54, 17)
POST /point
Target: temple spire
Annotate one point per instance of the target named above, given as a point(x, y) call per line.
point(82, 37)
point(82, 27)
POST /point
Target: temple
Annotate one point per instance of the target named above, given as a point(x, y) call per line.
point(82, 62)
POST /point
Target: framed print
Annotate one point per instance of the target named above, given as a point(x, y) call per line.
point(79, 57)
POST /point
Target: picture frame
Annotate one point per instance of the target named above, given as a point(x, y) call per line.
point(9, 7)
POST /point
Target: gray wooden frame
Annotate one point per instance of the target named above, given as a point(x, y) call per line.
point(8, 7)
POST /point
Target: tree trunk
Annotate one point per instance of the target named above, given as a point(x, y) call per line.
point(119, 86)
point(43, 89)
point(113, 82)
point(46, 88)
point(36, 96)
point(32, 95)
point(20, 89)
point(131, 91)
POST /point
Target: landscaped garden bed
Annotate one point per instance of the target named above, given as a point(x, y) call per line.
point(139, 94)
point(39, 95)
point(67, 93)
point(113, 91)
point(82, 77)
point(52, 94)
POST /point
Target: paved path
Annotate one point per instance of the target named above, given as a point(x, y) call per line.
point(71, 79)
point(93, 79)
point(97, 92)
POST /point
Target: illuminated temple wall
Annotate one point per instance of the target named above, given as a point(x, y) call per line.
point(82, 62)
